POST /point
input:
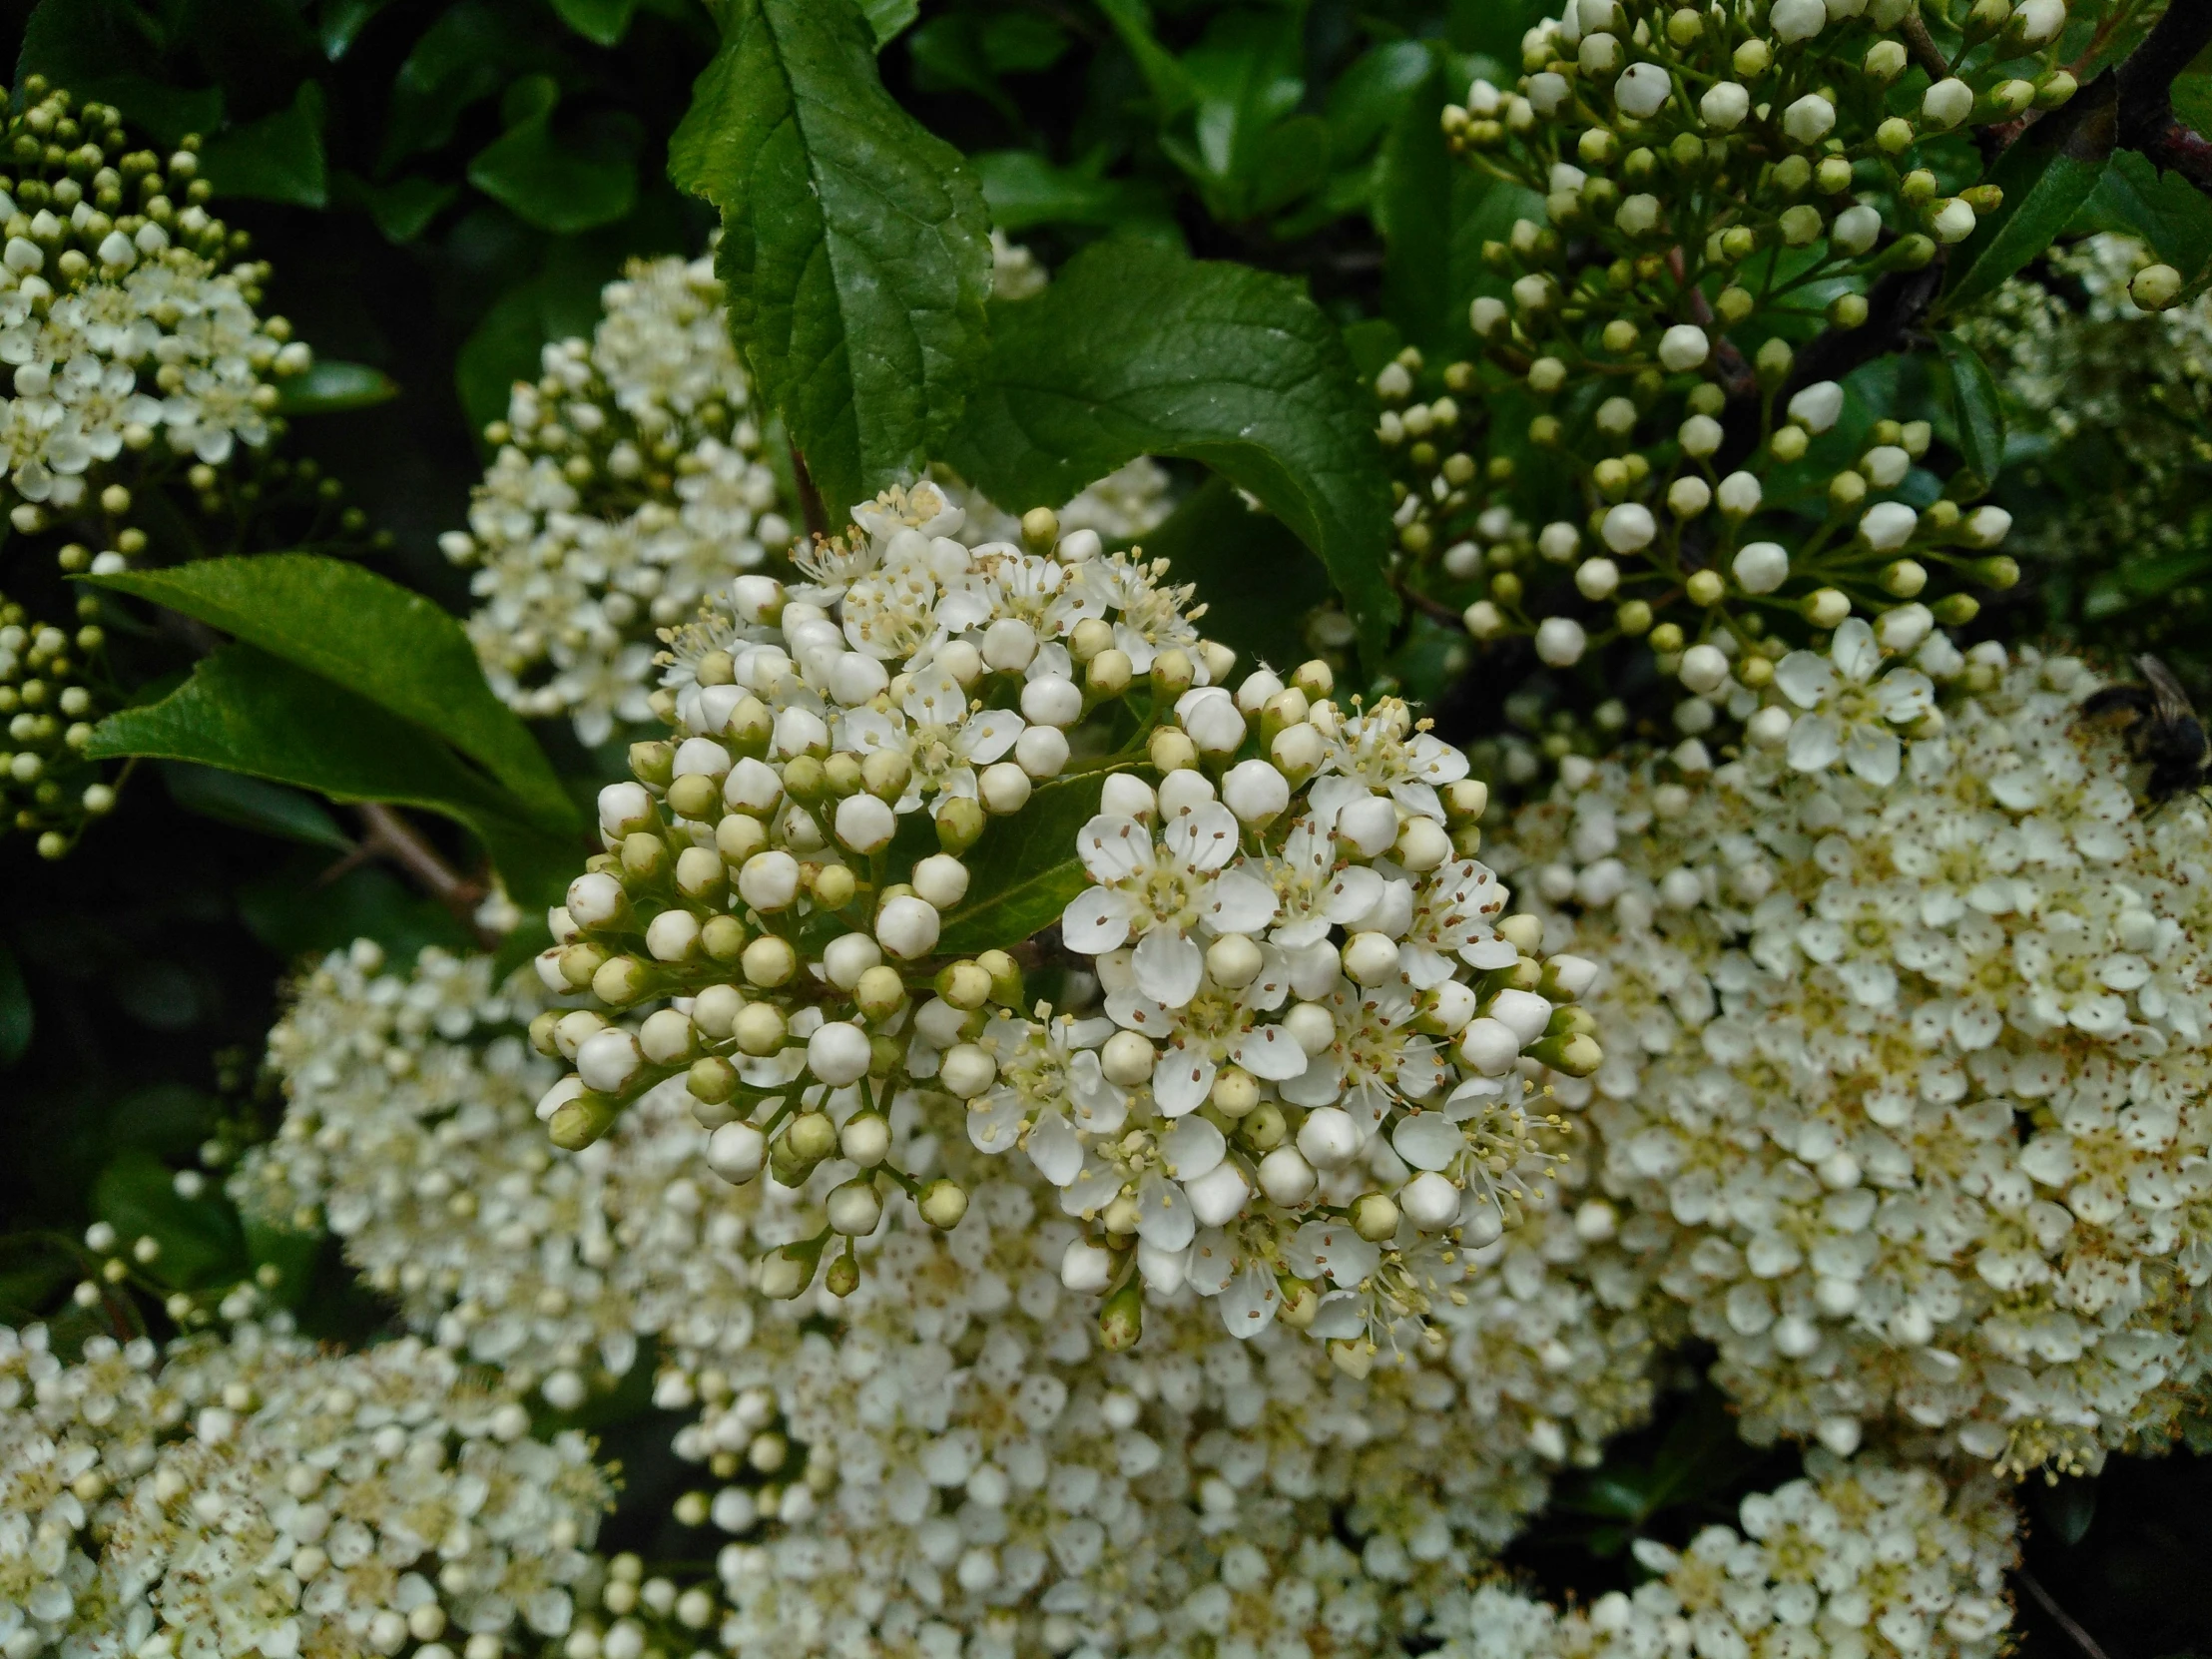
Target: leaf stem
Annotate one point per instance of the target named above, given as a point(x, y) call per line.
point(2060, 1616)
point(389, 836)
point(811, 506)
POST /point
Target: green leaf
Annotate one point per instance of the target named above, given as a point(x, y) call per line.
point(341, 23)
point(245, 711)
point(1137, 351)
point(297, 909)
point(1171, 88)
point(1025, 189)
point(603, 22)
point(856, 246)
point(403, 209)
point(560, 186)
point(275, 158)
point(2068, 1507)
point(1024, 870)
point(1414, 175)
point(1976, 406)
point(375, 638)
point(888, 19)
point(1370, 96)
point(16, 1020)
point(2046, 176)
point(2164, 209)
point(328, 388)
point(252, 803)
point(560, 301)
point(198, 1237)
point(461, 59)
point(1264, 580)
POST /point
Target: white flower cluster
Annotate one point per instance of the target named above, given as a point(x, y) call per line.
point(409, 1134)
point(627, 488)
point(1319, 1073)
point(249, 1495)
point(121, 322)
point(956, 1463)
point(1906, 1015)
point(1866, 1559)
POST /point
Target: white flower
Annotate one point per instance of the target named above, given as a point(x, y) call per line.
point(1162, 894)
point(942, 740)
point(1849, 704)
point(1383, 751)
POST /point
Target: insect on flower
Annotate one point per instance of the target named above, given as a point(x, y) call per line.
point(2163, 729)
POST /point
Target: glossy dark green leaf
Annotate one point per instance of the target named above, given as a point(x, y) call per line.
point(403, 209)
point(290, 1251)
point(378, 639)
point(16, 1015)
point(275, 158)
point(164, 1119)
point(556, 180)
point(1977, 407)
point(245, 711)
point(888, 19)
point(603, 22)
point(252, 803)
point(947, 55)
point(198, 1237)
point(328, 388)
point(1136, 350)
point(856, 246)
point(2164, 209)
point(2047, 177)
point(338, 24)
point(464, 57)
point(1258, 579)
point(1024, 870)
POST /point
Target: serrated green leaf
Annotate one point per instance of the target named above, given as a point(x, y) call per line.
point(1023, 871)
point(275, 158)
point(856, 246)
point(603, 22)
point(15, 1013)
point(2047, 177)
point(198, 1237)
point(563, 183)
point(366, 633)
point(1137, 351)
point(252, 803)
point(245, 711)
point(329, 387)
point(1976, 406)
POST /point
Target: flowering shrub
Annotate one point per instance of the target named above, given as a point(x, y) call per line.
point(1360, 852)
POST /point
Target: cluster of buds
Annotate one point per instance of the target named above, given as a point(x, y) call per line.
point(1715, 183)
point(47, 789)
point(782, 915)
point(1314, 1087)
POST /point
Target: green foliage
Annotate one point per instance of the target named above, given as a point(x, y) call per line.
point(854, 245)
point(2047, 177)
point(368, 634)
point(1135, 350)
point(247, 710)
point(1978, 409)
